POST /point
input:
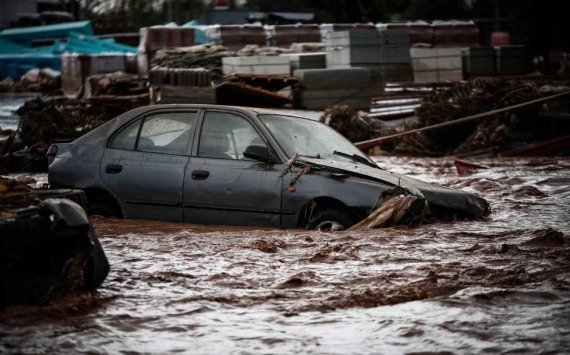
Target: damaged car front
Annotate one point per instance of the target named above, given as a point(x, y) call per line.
point(323, 161)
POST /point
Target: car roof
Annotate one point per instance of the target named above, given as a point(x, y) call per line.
point(262, 111)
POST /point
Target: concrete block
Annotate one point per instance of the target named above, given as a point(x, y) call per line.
point(307, 60)
point(426, 76)
point(395, 54)
point(263, 65)
point(352, 38)
point(424, 64)
point(348, 78)
point(510, 60)
point(450, 75)
point(449, 58)
point(395, 37)
point(479, 60)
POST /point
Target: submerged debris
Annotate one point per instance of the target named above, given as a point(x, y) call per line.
point(399, 207)
point(399, 210)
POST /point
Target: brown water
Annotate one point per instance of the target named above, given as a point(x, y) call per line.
point(495, 286)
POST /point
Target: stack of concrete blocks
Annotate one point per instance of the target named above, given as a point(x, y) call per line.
point(478, 61)
point(76, 68)
point(321, 88)
point(500, 60)
point(235, 37)
point(510, 60)
point(386, 53)
point(395, 56)
point(315, 60)
point(161, 37)
point(181, 85)
point(286, 35)
point(437, 64)
point(259, 65)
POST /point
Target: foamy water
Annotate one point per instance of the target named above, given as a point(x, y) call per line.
point(500, 285)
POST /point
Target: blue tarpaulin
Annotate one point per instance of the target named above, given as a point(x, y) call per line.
point(25, 35)
point(15, 65)
point(199, 31)
point(17, 59)
point(7, 47)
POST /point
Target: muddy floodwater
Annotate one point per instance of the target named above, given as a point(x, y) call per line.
point(500, 285)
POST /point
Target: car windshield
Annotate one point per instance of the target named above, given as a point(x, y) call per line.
point(312, 139)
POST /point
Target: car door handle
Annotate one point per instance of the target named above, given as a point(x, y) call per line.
point(200, 174)
point(113, 168)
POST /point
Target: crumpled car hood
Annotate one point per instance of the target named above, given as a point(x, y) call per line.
point(444, 197)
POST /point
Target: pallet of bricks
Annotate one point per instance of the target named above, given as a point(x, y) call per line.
point(161, 37)
point(235, 37)
point(181, 85)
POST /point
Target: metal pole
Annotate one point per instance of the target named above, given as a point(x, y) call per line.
point(374, 142)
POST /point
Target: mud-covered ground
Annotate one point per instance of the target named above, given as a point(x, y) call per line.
point(495, 286)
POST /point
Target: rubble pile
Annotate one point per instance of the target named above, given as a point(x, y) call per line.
point(501, 132)
point(308, 47)
point(353, 124)
point(118, 83)
point(254, 49)
point(46, 119)
point(202, 56)
point(35, 80)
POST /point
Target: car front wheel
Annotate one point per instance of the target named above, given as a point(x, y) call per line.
point(330, 220)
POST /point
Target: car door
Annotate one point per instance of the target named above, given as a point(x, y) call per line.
point(221, 186)
point(145, 161)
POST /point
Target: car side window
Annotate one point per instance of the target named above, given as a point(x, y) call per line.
point(225, 135)
point(127, 138)
point(167, 132)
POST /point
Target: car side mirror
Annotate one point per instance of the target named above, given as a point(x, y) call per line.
point(259, 152)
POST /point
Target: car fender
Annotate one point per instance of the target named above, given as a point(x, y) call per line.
point(356, 194)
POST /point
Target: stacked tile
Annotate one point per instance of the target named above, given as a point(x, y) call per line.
point(286, 35)
point(421, 33)
point(451, 34)
point(180, 76)
point(235, 37)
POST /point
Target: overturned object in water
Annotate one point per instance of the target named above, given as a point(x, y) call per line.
point(48, 250)
point(398, 210)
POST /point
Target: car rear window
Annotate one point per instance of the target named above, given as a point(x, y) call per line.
point(167, 132)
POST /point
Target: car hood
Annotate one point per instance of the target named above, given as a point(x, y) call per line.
point(435, 195)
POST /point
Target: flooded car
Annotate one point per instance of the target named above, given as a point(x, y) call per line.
point(210, 164)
